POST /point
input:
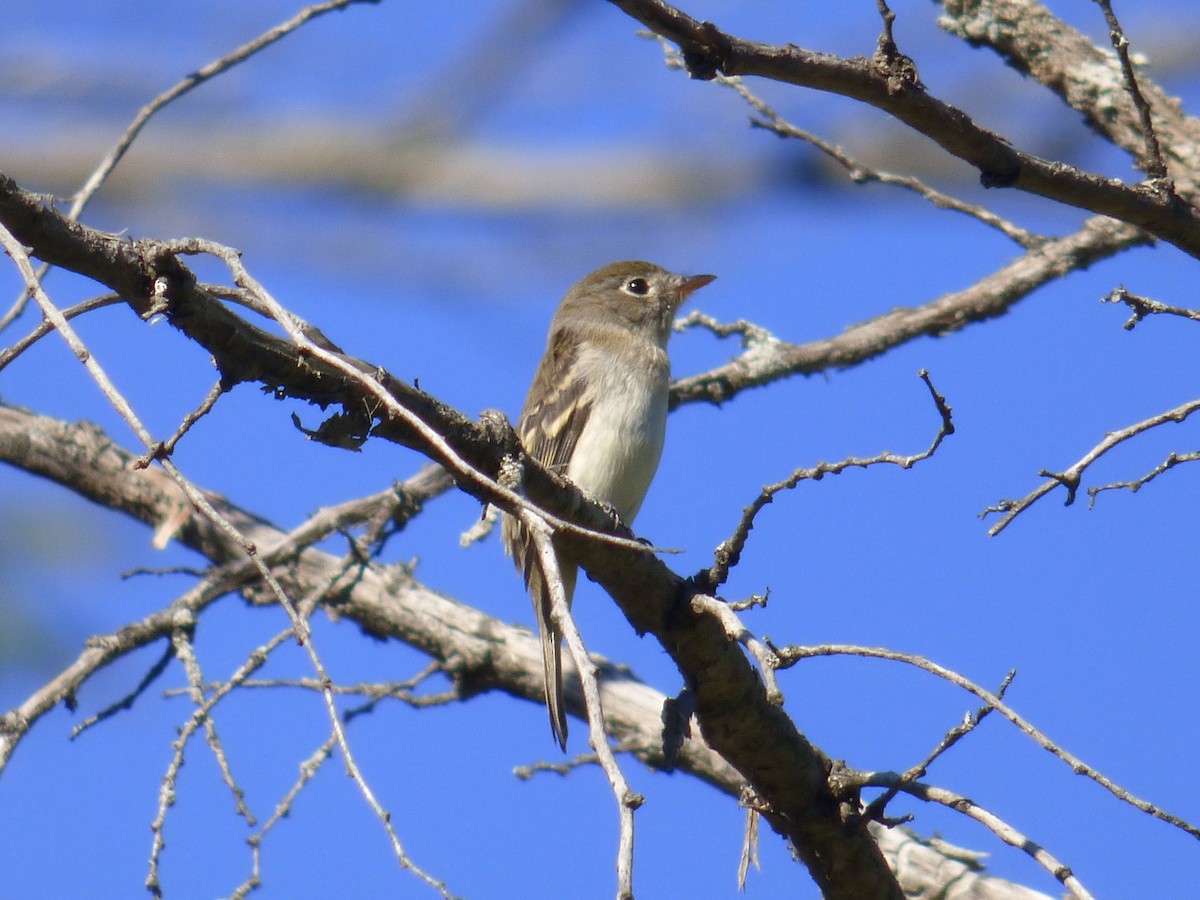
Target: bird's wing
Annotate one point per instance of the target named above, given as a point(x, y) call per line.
point(554, 414)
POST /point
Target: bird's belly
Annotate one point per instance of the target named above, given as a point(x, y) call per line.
point(616, 461)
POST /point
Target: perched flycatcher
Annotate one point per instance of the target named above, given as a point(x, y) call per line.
point(597, 413)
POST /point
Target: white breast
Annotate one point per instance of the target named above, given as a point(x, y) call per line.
point(618, 452)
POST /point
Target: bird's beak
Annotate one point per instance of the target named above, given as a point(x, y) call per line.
point(693, 283)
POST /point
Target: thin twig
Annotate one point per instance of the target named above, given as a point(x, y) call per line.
point(213, 69)
point(481, 528)
point(856, 170)
point(43, 328)
point(375, 693)
point(1172, 460)
point(889, 20)
point(969, 723)
point(564, 768)
point(129, 699)
point(190, 419)
point(1144, 306)
point(989, 820)
point(729, 552)
point(1153, 163)
point(750, 602)
point(195, 79)
point(308, 770)
point(1071, 478)
point(181, 644)
point(789, 656)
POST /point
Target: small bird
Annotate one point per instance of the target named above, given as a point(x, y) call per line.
point(597, 413)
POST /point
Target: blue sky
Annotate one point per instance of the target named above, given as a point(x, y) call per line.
point(454, 285)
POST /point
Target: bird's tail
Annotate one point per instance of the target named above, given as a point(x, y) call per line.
point(518, 544)
point(552, 662)
point(552, 645)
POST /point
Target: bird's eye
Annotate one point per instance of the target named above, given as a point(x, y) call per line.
point(637, 286)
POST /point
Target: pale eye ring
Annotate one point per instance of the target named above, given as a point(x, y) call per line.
point(637, 286)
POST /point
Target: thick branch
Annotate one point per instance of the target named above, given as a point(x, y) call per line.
point(708, 50)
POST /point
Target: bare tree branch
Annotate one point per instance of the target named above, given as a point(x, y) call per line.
point(729, 552)
point(970, 722)
point(1144, 306)
point(1172, 460)
point(989, 820)
point(195, 79)
point(1031, 39)
point(708, 50)
point(766, 360)
point(1072, 477)
point(858, 172)
point(789, 656)
point(1152, 157)
point(216, 67)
